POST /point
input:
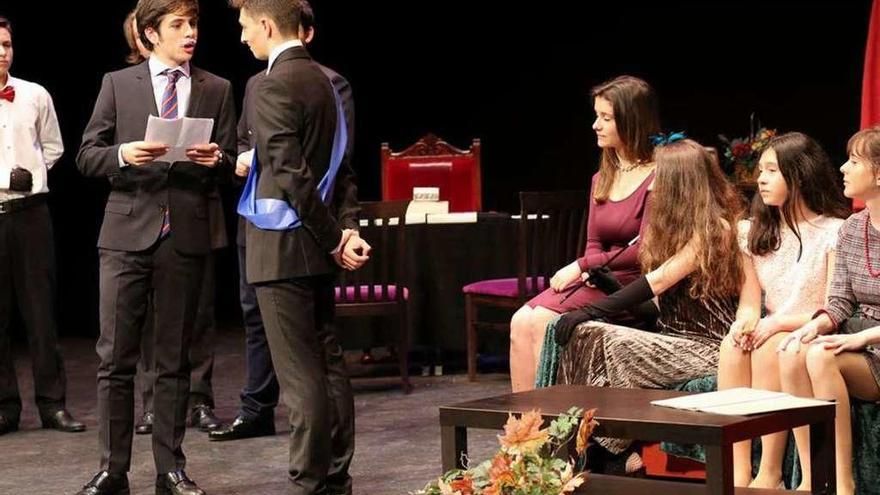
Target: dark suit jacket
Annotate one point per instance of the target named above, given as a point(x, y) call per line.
point(294, 123)
point(139, 194)
point(346, 210)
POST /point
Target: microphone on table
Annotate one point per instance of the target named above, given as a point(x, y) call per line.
point(601, 277)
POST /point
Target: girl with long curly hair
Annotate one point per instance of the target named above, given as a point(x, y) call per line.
point(692, 261)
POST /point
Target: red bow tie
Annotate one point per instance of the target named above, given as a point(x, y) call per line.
point(8, 93)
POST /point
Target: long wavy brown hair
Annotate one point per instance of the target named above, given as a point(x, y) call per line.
point(637, 118)
point(692, 201)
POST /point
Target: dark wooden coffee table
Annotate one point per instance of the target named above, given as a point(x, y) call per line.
point(628, 413)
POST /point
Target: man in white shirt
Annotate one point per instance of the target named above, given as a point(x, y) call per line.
point(30, 143)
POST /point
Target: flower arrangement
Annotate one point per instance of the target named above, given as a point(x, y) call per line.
point(527, 462)
point(742, 154)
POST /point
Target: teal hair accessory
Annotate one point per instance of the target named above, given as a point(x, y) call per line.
point(661, 139)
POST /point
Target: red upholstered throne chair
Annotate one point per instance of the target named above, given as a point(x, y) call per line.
point(432, 162)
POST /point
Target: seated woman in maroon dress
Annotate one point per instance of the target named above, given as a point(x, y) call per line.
point(626, 117)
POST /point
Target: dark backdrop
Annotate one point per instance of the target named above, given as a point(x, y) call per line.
point(516, 75)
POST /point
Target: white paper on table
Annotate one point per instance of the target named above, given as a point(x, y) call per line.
point(181, 134)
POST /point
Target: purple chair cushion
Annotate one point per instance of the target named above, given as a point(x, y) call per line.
point(504, 287)
point(366, 295)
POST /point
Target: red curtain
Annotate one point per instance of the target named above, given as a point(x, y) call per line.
point(871, 78)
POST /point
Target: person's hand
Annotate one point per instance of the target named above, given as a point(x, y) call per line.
point(142, 152)
point(565, 277)
point(337, 256)
point(21, 180)
point(842, 342)
point(569, 321)
point(803, 335)
point(356, 252)
point(585, 278)
point(740, 330)
point(206, 155)
point(766, 328)
point(243, 163)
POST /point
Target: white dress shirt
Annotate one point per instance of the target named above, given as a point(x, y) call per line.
point(29, 136)
point(280, 48)
point(160, 80)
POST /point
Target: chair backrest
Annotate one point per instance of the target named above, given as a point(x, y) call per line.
point(552, 233)
point(432, 162)
point(386, 233)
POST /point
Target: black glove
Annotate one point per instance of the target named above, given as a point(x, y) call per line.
point(635, 297)
point(603, 278)
point(20, 180)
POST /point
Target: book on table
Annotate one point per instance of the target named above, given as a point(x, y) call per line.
point(739, 402)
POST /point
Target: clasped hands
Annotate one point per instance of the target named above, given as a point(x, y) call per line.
point(353, 251)
point(750, 332)
point(143, 152)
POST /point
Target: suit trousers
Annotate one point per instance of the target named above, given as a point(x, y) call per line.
point(201, 351)
point(298, 316)
point(261, 390)
point(27, 279)
point(126, 281)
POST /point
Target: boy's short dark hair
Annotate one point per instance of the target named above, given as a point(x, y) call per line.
point(5, 24)
point(286, 13)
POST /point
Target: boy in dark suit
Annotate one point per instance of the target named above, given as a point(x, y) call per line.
point(295, 120)
point(155, 236)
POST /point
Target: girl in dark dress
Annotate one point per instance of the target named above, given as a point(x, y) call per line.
point(692, 262)
point(626, 117)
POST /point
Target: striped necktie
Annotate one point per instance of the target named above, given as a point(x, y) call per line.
point(169, 97)
point(169, 111)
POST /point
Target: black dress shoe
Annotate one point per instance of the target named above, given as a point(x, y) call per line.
point(244, 428)
point(62, 420)
point(105, 483)
point(177, 483)
point(7, 425)
point(203, 417)
point(145, 425)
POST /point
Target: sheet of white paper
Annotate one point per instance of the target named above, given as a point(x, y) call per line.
point(180, 134)
point(699, 402)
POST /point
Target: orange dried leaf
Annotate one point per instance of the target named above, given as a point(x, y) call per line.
point(524, 435)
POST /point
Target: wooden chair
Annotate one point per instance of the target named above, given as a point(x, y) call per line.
point(378, 289)
point(432, 162)
point(551, 233)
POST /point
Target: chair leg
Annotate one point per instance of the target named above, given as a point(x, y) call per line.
point(403, 347)
point(471, 328)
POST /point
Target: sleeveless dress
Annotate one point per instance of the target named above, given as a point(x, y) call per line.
point(610, 226)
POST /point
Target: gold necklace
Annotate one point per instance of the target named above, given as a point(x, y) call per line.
point(629, 168)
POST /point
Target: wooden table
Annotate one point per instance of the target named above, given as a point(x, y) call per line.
point(628, 413)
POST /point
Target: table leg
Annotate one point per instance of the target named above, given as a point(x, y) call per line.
point(822, 448)
point(719, 469)
point(453, 446)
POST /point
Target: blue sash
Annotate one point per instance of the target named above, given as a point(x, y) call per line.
point(278, 214)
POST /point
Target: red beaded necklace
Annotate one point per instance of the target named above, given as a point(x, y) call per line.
point(868, 251)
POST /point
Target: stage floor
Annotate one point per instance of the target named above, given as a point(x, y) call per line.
point(397, 440)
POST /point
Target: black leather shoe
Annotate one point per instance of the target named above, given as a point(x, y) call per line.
point(7, 425)
point(177, 483)
point(62, 420)
point(105, 483)
point(203, 417)
point(145, 425)
point(243, 428)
